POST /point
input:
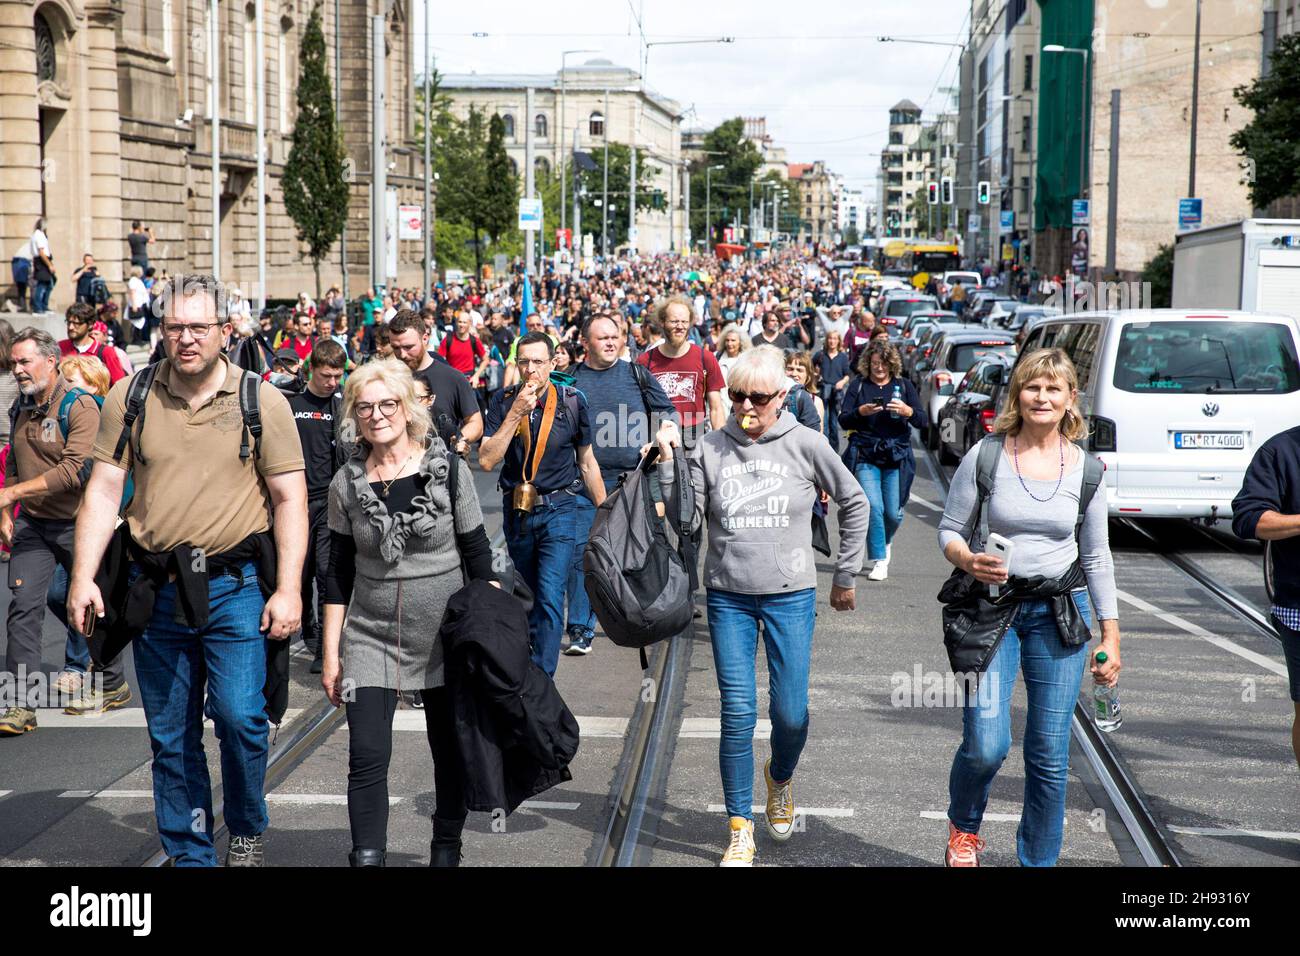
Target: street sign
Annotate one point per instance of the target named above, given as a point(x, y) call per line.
point(1082, 212)
point(410, 222)
point(530, 214)
point(1008, 220)
point(588, 245)
point(499, 263)
point(973, 223)
point(1189, 214)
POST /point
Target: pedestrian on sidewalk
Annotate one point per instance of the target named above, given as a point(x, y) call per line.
point(1060, 556)
point(397, 543)
point(880, 407)
point(755, 482)
point(215, 533)
point(43, 276)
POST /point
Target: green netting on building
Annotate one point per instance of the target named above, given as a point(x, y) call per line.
point(1062, 109)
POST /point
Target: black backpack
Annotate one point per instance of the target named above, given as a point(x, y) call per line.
point(99, 293)
point(250, 407)
point(639, 585)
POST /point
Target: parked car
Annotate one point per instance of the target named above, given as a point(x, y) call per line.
point(1177, 401)
point(983, 303)
point(954, 353)
point(913, 362)
point(1028, 314)
point(968, 415)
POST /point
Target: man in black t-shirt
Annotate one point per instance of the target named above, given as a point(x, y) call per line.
point(316, 412)
point(139, 239)
point(452, 395)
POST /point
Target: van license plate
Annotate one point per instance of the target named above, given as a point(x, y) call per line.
point(1230, 440)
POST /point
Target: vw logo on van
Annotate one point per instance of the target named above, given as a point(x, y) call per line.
point(1210, 409)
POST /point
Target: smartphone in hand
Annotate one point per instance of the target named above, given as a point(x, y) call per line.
point(999, 547)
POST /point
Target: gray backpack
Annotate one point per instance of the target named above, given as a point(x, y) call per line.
point(639, 584)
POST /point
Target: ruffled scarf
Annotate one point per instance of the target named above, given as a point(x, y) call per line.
point(395, 530)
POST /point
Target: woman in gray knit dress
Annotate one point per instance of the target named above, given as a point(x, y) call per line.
point(397, 544)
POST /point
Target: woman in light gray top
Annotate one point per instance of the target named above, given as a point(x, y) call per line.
point(396, 546)
point(755, 481)
point(1034, 503)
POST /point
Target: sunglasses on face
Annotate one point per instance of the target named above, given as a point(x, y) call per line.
point(757, 399)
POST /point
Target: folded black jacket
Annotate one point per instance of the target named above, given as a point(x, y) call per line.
point(128, 607)
point(515, 734)
point(974, 624)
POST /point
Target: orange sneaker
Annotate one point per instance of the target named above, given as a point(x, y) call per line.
point(963, 848)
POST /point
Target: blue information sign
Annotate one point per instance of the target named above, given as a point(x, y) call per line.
point(1008, 220)
point(1081, 210)
point(1189, 214)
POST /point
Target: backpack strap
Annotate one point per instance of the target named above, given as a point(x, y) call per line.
point(986, 470)
point(644, 384)
point(569, 396)
point(250, 406)
point(133, 413)
point(1093, 475)
point(65, 408)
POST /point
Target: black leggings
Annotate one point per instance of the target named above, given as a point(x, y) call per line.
point(370, 747)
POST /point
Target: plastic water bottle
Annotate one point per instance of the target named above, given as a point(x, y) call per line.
point(1105, 702)
point(898, 395)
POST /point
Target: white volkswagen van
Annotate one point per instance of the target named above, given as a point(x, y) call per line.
point(1178, 400)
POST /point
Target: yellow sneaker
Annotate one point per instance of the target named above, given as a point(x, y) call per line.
point(780, 805)
point(741, 850)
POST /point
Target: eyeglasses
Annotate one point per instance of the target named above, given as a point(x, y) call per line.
point(365, 410)
point(757, 399)
point(199, 330)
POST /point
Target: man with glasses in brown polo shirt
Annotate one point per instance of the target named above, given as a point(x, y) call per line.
point(208, 497)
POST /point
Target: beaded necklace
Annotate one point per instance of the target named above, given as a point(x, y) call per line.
point(1015, 451)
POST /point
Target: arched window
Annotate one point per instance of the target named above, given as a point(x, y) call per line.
point(250, 64)
point(541, 168)
point(46, 64)
point(539, 126)
point(596, 124)
point(284, 86)
point(509, 122)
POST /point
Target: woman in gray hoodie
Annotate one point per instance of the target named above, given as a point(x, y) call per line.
point(755, 482)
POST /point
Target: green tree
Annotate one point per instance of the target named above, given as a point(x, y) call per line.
point(592, 184)
point(1160, 273)
point(851, 236)
point(724, 146)
point(774, 185)
point(314, 183)
point(1271, 141)
point(501, 185)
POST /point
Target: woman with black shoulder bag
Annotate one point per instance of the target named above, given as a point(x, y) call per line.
point(1028, 484)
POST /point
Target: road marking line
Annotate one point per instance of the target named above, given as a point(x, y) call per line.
point(128, 717)
point(711, 727)
point(799, 811)
point(589, 727)
point(107, 794)
point(548, 805)
point(923, 503)
point(1197, 631)
point(5, 793)
point(317, 799)
point(1231, 832)
point(987, 818)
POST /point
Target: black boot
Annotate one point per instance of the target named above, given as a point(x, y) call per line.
point(444, 849)
point(367, 857)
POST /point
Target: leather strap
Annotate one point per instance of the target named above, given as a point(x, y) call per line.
point(531, 465)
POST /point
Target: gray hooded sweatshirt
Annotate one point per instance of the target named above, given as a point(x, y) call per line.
point(758, 498)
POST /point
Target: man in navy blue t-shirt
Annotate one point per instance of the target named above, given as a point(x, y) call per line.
point(556, 460)
point(627, 406)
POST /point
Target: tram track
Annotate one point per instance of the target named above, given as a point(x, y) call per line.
point(1131, 806)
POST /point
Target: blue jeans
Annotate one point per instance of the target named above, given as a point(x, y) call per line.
point(582, 619)
point(1052, 675)
point(788, 620)
point(881, 487)
point(831, 427)
point(541, 545)
point(172, 663)
point(76, 653)
point(41, 295)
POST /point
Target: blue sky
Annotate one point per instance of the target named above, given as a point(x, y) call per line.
point(814, 68)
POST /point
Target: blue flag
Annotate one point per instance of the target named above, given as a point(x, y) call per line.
point(526, 304)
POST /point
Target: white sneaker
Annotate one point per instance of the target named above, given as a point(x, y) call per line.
point(880, 572)
point(740, 852)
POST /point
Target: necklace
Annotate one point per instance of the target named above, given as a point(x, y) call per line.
point(1015, 451)
point(383, 492)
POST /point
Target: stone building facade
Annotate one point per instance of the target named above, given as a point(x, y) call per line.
point(589, 98)
point(105, 118)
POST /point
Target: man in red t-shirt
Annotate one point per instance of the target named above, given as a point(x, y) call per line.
point(689, 374)
point(80, 319)
point(464, 351)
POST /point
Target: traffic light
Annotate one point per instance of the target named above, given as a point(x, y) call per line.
point(983, 192)
point(946, 191)
point(932, 193)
